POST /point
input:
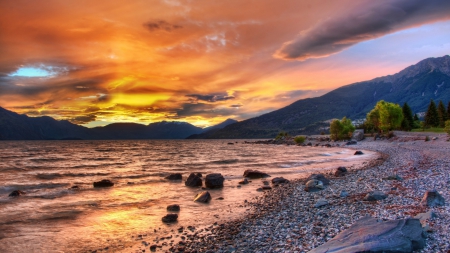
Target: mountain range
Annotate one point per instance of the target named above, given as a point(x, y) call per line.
point(416, 85)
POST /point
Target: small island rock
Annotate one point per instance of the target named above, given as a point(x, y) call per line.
point(255, 174)
point(193, 180)
point(359, 153)
point(214, 180)
point(171, 217)
point(174, 176)
point(341, 171)
point(16, 193)
point(173, 208)
point(104, 183)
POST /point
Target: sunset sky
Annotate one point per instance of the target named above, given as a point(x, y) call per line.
point(202, 61)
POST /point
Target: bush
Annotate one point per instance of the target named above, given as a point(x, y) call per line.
point(299, 139)
point(447, 127)
point(281, 135)
point(341, 129)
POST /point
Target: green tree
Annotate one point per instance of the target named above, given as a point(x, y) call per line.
point(442, 114)
point(416, 118)
point(448, 110)
point(447, 126)
point(341, 129)
point(408, 119)
point(385, 116)
point(431, 116)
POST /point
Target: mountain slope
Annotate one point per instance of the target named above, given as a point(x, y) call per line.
point(416, 85)
point(209, 131)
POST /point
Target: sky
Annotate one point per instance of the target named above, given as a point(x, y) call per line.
point(201, 61)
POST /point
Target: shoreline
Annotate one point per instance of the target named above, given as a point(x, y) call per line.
point(285, 219)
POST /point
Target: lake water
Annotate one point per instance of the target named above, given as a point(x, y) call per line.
point(50, 217)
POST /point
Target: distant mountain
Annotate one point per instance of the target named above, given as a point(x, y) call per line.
point(416, 85)
point(209, 131)
point(14, 126)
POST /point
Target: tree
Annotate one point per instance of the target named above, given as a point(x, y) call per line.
point(448, 111)
point(447, 127)
point(408, 119)
point(442, 114)
point(385, 116)
point(341, 129)
point(431, 116)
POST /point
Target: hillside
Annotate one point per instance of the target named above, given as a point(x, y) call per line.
point(416, 85)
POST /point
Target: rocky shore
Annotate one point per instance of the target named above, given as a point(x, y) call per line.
point(290, 219)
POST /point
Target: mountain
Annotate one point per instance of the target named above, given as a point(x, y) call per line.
point(416, 85)
point(209, 131)
point(220, 125)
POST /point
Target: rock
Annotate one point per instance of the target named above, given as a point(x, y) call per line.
point(341, 171)
point(426, 216)
point(395, 177)
point(203, 197)
point(265, 182)
point(103, 183)
point(193, 181)
point(359, 153)
point(259, 189)
point(245, 181)
point(369, 235)
point(376, 137)
point(16, 193)
point(173, 208)
point(351, 143)
point(174, 176)
point(343, 194)
point(255, 174)
point(153, 247)
point(266, 187)
point(75, 187)
point(374, 196)
point(314, 186)
point(309, 144)
point(230, 143)
point(320, 203)
point(432, 198)
point(214, 180)
point(198, 174)
point(319, 177)
point(358, 135)
point(171, 217)
point(280, 180)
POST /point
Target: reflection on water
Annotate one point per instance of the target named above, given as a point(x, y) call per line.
point(53, 217)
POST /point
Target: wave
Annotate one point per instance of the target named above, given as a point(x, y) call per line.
point(226, 161)
point(60, 175)
point(25, 187)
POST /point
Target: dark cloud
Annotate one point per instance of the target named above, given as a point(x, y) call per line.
point(201, 109)
point(236, 106)
point(161, 25)
point(366, 21)
point(210, 98)
point(83, 119)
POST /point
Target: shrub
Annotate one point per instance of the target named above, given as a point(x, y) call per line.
point(341, 129)
point(281, 135)
point(385, 116)
point(447, 127)
point(299, 139)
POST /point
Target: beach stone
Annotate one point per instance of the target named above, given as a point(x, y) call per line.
point(374, 196)
point(259, 189)
point(314, 186)
point(343, 194)
point(320, 203)
point(198, 174)
point(245, 181)
point(369, 235)
point(203, 197)
point(173, 208)
point(174, 176)
point(255, 174)
point(395, 177)
point(104, 183)
point(358, 135)
point(193, 180)
point(351, 143)
point(280, 180)
point(432, 198)
point(265, 182)
point(320, 177)
point(16, 193)
point(341, 171)
point(214, 180)
point(153, 247)
point(171, 217)
point(266, 187)
point(359, 153)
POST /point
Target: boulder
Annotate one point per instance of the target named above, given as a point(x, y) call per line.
point(314, 186)
point(341, 171)
point(359, 153)
point(255, 174)
point(320, 203)
point(173, 208)
point(245, 181)
point(104, 183)
point(280, 180)
point(214, 180)
point(16, 193)
point(319, 177)
point(193, 180)
point(174, 176)
point(358, 135)
point(203, 197)
point(171, 217)
point(198, 174)
point(374, 196)
point(369, 235)
point(432, 198)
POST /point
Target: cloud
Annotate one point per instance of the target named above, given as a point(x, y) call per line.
point(365, 22)
point(83, 119)
point(161, 25)
point(210, 98)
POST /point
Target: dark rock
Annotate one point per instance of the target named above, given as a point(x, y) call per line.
point(173, 208)
point(369, 235)
point(259, 189)
point(174, 176)
point(309, 144)
point(193, 180)
point(320, 203)
point(171, 217)
point(341, 171)
point(245, 181)
point(359, 153)
point(198, 174)
point(374, 196)
point(153, 247)
point(432, 198)
point(103, 183)
point(280, 180)
point(255, 174)
point(265, 182)
point(203, 197)
point(230, 143)
point(16, 193)
point(266, 187)
point(395, 177)
point(314, 186)
point(351, 143)
point(214, 180)
point(343, 194)
point(75, 187)
point(319, 177)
